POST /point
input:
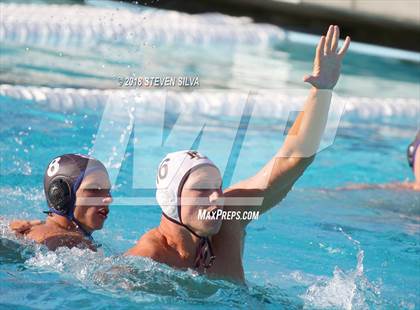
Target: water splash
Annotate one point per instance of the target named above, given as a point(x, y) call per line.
point(142, 280)
point(136, 279)
point(346, 289)
point(80, 26)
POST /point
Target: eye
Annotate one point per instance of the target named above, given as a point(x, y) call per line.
point(99, 191)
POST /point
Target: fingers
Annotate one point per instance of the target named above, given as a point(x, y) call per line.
point(320, 47)
point(336, 37)
point(327, 46)
point(309, 79)
point(345, 46)
point(331, 42)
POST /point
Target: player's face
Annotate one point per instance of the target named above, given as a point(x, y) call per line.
point(92, 200)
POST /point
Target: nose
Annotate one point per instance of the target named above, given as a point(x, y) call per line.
point(108, 200)
point(214, 196)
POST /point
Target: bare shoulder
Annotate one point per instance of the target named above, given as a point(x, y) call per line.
point(231, 232)
point(149, 245)
point(239, 202)
point(54, 238)
point(39, 233)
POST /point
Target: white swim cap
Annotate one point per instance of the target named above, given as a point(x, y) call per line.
point(171, 176)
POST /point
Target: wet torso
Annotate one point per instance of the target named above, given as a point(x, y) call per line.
point(227, 247)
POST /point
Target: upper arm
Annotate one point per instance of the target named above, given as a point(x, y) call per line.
point(141, 250)
point(146, 247)
point(271, 184)
point(144, 251)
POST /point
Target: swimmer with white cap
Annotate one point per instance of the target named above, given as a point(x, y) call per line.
point(188, 183)
point(77, 189)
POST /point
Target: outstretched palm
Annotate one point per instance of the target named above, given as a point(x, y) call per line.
point(327, 63)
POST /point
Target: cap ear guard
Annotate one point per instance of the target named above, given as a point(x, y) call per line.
point(412, 149)
point(410, 155)
point(59, 196)
point(166, 200)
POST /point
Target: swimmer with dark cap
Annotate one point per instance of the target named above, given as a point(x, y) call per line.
point(188, 183)
point(413, 159)
point(77, 189)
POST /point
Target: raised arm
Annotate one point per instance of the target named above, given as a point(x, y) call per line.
point(275, 180)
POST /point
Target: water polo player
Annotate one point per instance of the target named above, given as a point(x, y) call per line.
point(189, 183)
point(413, 159)
point(77, 190)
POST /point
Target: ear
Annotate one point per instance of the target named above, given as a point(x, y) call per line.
point(77, 212)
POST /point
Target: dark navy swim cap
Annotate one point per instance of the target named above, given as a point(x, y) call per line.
point(411, 150)
point(63, 178)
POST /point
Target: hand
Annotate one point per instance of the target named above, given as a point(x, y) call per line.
point(20, 227)
point(327, 61)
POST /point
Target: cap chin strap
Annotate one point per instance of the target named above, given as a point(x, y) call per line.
point(204, 250)
point(86, 234)
point(84, 231)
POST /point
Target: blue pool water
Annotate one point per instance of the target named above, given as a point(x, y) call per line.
point(320, 248)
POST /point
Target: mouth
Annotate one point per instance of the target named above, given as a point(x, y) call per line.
point(214, 210)
point(103, 212)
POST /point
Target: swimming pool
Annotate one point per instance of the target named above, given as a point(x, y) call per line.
point(322, 248)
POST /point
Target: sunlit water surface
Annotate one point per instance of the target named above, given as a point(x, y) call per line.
point(320, 248)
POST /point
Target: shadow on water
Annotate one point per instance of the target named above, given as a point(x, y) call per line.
point(11, 252)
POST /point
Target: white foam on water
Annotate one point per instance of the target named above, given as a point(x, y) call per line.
point(345, 289)
point(137, 278)
point(269, 103)
point(339, 291)
point(79, 262)
point(90, 25)
point(76, 25)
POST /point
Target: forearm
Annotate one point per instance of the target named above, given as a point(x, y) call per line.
point(277, 177)
point(297, 152)
point(306, 133)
